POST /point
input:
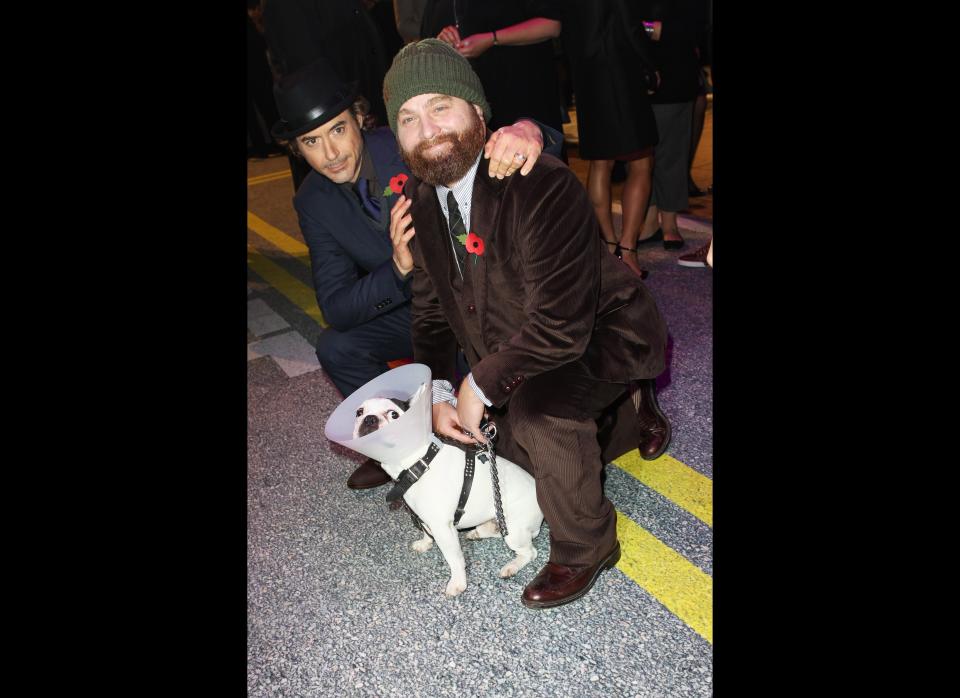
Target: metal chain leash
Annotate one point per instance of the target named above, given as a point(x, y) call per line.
point(489, 430)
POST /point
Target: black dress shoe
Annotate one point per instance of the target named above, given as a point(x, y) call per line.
point(556, 584)
point(368, 475)
point(656, 237)
point(655, 428)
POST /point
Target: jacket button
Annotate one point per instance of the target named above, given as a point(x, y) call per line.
point(519, 379)
point(507, 388)
point(471, 308)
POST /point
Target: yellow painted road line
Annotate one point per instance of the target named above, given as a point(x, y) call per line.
point(287, 243)
point(681, 586)
point(679, 483)
point(295, 290)
point(269, 177)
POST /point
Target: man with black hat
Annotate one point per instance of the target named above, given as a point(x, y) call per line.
point(558, 334)
point(343, 207)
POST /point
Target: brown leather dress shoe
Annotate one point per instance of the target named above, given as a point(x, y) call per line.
point(368, 475)
point(556, 584)
point(654, 426)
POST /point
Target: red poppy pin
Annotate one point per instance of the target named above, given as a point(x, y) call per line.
point(474, 245)
point(396, 184)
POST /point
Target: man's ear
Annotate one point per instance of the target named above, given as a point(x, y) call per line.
point(479, 111)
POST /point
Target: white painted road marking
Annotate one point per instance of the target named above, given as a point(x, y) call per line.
point(261, 320)
point(290, 350)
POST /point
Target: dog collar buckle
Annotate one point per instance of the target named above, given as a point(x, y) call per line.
point(409, 477)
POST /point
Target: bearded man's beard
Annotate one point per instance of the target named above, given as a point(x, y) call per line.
point(452, 165)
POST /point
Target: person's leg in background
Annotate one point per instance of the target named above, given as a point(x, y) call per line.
point(634, 200)
point(699, 116)
point(636, 191)
point(599, 191)
point(669, 175)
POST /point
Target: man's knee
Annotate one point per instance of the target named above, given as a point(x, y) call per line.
point(551, 402)
point(335, 348)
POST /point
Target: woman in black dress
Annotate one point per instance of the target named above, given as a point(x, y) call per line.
point(608, 49)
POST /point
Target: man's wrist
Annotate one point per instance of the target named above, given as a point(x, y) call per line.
point(478, 391)
point(402, 275)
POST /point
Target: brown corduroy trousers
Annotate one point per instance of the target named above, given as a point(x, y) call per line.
point(549, 428)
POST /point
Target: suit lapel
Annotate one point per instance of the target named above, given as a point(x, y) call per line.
point(434, 248)
point(385, 172)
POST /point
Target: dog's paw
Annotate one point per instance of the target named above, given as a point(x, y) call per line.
point(455, 588)
point(422, 545)
point(510, 569)
point(518, 563)
point(488, 529)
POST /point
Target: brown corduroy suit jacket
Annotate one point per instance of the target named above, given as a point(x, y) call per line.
point(544, 292)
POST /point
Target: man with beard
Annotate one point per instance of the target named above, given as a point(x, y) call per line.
point(343, 209)
point(555, 329)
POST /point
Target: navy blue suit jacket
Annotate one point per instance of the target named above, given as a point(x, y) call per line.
point(351, 255)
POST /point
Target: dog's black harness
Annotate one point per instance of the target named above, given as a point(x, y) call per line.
point(409, 477)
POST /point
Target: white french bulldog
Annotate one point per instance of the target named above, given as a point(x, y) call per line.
point(435, 496)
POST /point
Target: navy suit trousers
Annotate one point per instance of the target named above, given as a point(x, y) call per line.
point(358, 355)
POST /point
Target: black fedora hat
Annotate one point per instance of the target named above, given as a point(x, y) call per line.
point(309, 98)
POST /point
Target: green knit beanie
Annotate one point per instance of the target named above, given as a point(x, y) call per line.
point(426, 67)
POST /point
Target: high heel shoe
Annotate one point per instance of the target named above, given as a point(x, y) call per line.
point(616, 247)
point(643, 274)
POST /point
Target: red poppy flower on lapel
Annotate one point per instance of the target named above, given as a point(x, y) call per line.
point(396, 184)
point(474, 244)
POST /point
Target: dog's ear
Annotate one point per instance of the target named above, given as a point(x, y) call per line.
point(402, 404)
point(420, 391)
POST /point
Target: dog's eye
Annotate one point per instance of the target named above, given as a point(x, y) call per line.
point(394, 415)
point(359, 411)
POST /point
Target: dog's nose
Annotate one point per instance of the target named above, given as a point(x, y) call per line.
point(371, 420)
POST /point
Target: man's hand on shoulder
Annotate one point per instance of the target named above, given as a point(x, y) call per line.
point(513, 147)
